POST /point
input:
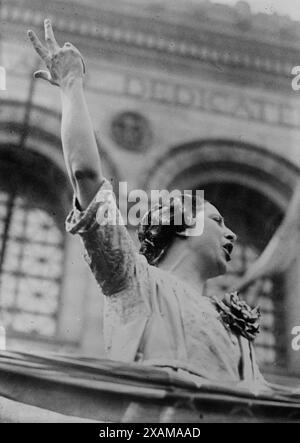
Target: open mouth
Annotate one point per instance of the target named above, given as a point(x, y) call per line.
point(227, 248)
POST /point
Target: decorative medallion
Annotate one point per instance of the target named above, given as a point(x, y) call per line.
point(130, 130)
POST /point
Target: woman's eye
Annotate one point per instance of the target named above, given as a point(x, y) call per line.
point(219, 220)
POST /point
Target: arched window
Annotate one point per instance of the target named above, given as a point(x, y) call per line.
point(254, 218)
point(32, 247)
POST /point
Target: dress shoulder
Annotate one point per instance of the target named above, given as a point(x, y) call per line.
point(108, 248)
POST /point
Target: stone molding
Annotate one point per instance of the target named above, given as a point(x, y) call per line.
point(213, 46)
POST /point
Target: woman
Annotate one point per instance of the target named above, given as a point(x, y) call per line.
point(152, 314)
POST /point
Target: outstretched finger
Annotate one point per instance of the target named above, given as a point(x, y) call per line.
point(45, 75)
point(49, 36)
point(38, 46)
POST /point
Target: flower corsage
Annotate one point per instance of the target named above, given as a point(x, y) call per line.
point(238, 316)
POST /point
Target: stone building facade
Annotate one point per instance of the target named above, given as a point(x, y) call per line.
point(183, 95)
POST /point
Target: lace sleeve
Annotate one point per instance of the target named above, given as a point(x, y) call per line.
point(109, 249)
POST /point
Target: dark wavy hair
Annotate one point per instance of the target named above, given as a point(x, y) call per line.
point(158, 227)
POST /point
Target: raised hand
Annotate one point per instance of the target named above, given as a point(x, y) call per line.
point(62, 63)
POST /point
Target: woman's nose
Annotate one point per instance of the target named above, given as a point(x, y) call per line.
point(231, 236)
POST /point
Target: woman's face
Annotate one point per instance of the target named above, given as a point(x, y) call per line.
point(214, 246)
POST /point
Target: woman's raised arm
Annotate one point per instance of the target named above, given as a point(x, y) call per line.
point(109, 249)
point(66, 70)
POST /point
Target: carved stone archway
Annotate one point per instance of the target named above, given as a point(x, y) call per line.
point(196, 164)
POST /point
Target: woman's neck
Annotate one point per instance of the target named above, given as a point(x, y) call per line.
point(183, 265)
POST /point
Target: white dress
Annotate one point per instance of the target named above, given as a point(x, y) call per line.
point(150, 316)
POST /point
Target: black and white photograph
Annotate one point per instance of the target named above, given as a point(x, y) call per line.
point(149, 214)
